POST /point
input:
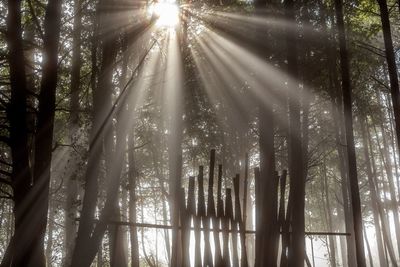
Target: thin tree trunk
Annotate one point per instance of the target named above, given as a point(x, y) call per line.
point(371, 262)
point(132, 175)
point(338, 121)
point(389, 171)
point(49, 245)
point(373, 194)
point(163, 191)
point(385, 230)
point(331, 238)
point(393, 142)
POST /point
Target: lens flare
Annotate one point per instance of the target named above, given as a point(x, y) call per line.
point(167, 13)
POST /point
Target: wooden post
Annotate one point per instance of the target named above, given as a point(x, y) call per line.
point(196, 221)
point(234, 234)
point(220, 203)
point(282, 187)
point(258, 213)
point(285, 232)
point(245, 186)
point(184, 218)
point(225, 228)
point(221, 219)
point(239, 221)
point(211, 214)
point(281, 216)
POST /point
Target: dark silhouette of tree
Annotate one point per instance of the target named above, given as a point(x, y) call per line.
point(348, 122)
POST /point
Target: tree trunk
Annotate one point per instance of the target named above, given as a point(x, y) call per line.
point(392, 68)
point(44, 132)
point(338, 122)
point(19, 249)
point(371, 262)
point(116, 237)
point(296, 161)
point(267, 236)
point(385, 229)
point(49, 245)
point(132, 201)
point(373, 194)
point(86, 245)
point(174, 139)
point(72, 184)
point(325, 190)
point(348, 118)
point(161, 179)
point(393, 141)
point(389, 171)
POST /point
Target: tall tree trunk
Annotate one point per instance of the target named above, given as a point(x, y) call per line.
point(72, 184)
point(338, 122)
point(88, 238)
point(348, 119)
point(117, 234)
point(296, 161)
point(336, 106)
point(18, 250)
point(392, 68)
point(174, 138)
point(267, 227)
point(39, 194)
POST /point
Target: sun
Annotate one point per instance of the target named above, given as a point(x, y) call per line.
point(167, 13)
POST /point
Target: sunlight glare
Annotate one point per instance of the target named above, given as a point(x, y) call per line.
point(167, 13)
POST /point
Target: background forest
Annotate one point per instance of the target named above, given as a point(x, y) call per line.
point(109, 107)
